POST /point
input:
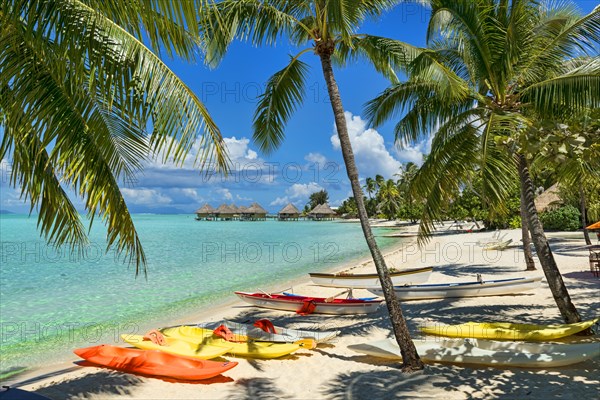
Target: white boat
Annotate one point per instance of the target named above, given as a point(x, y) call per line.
point(497, 287)
point(281, 334)
point(309, 305)
point(365, 281)
point(487, 352)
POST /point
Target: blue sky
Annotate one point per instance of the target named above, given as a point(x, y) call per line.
point(309, 158)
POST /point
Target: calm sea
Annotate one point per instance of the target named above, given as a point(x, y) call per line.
point(52, 301)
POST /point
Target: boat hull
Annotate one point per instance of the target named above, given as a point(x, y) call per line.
point(156, 363)
point(487, 352)
point(178, 347)
point(295, 304)
point(508, 331)
point(365, 281)
point(469, 289)
point(281, 334)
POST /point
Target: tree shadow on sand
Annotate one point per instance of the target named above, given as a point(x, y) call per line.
point(462, 382)
point(257, 388)
point(100, 383)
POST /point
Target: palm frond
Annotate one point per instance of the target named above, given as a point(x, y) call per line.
point(283, 94)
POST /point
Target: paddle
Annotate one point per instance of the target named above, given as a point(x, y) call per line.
point(306, 343)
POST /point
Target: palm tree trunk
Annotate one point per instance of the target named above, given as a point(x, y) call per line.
point(544, 253)
point(582, 207)
point(526, 238)
point(410, 358)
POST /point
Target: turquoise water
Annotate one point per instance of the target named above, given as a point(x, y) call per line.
point(52, 301)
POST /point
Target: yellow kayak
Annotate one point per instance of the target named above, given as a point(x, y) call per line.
point(179, 347)
point(242, 347)
point(508, 331)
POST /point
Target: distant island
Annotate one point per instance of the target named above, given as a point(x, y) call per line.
point(6, 212)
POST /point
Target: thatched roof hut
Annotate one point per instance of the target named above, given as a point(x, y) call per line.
point(225, 212)
point(322, 212)
point(255, 213)
point(205, 210)
point(289, 212)
point(549, 200)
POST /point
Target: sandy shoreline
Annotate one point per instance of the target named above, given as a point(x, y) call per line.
point(334, 372)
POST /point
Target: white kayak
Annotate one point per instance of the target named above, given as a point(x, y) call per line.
point(365, 281)
point(497, 287)
point(281, 334)
point(487, 352)
point(498, 245)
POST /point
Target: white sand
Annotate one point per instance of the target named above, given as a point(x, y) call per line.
point(333, 372)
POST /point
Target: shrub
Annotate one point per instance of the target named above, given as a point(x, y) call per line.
point(564, 219)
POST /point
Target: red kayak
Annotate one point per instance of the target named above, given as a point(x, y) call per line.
point(152, 362)
point(304, 305)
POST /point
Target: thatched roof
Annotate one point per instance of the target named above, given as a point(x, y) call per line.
point(225, 209)
point(549, 199)
point(289, 209)
point(242, 209)
point(205, 209)
point(255, 208)
point(322, 209)
point(234, 208)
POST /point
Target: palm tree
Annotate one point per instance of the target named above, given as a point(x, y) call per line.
point(317, 198)
point(493, 68)
point(326, 29)
point(389, 198)
point(79, 93)
point(370, 186)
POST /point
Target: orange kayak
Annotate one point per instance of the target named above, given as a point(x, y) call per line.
point(151, 362)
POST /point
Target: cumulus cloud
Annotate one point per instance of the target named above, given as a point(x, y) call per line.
point(224, 193)
point(298, 193)
point(414, 153)
point(316, 158)
point(146, 197)
point(371, 154)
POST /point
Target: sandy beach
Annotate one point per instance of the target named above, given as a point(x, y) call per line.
point(332, 371)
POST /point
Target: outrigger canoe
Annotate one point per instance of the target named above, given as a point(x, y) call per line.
point(464, 289)
point(265, 330)
point(508, 331)
point(179, 347)
point(308, 305)
point(487, 352)
point(155, 363)
point(365, 281)
point(241, 347)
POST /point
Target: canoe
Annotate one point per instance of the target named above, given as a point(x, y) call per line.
point(281, 334)
point(156, 363)
point(244, 347)
point(179, 347)
point(508, 331)
point(487, 352)
point(464, 289)
point(364, 281)
point(317, 305)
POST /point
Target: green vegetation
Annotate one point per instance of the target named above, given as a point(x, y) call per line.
point(563, 219)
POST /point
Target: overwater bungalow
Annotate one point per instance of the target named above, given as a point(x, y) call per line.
point(254, 213)
point(206, 213)
point(288, 213)
point(226, 213)
point(322, 212)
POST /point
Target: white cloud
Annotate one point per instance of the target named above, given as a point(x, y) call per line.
point(224, 193)
point(303, 190)
point(372, 156)
point(239, 151)
point(316, 158)
point(414, 153)
point(280, 201)
point(145, 197)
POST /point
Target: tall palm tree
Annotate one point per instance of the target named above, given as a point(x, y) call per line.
point(84, 103)
point(326, 28)
point(389, 198)
point(493, 68)
point(370, 186)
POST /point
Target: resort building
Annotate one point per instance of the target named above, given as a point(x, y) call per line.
point(288, 213)
point(206, 212)
point(322, 212)
point(226, 213)
point(254, 213)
